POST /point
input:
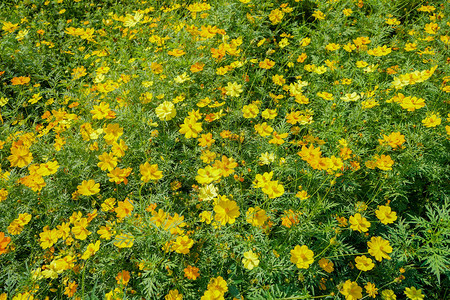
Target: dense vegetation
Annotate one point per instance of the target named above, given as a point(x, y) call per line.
point(240, 149)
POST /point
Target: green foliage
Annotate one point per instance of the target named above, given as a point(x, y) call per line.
point(322, 124)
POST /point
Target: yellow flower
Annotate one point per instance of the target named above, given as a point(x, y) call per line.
point(351, 290)
point(156, 68)
point(384, 162)
point(3, 194)
point(10, 27)
point(112, 133)
point(124, 208)
point(250, 260)
point(105, 232)
point(20, 156)
point(325, 95)
point(226, 211)
point(78, 72)
point(206, 140)
point(359, 223)
point(364, 263)
point(24, 296)
point(250, 111)
point(48, 168)
point(166, 111)
point(173, 295)
point(371, 290)
point(256, 216)
point(263, 129)
point(206, 216)
point(182, 244)
point(431, 28)
point(413, 293)
point(190, 128)
point(380, 51)
point(273, 189)
point(395, 139)
point(432, 121)
point(276, 16)
point(302, 57)
point(332, 47)
point(410, 103)
point(388, 295)
point(176, 52)
point(208, 175)
point(318, 15)
point(197, 67)
point(233, 89)
point(90, 250)
point(35, 98)
point(150, 172)
point(266, 64)
point(269, 114)
point(218, 284)
point(107, 161)
point(302, 257)
point(379, 248)
point(79, 229)
point(48, 238)
point(101, 111)
point(226, 166)
point(351, 97)
point(385, 214)
point(88, 188)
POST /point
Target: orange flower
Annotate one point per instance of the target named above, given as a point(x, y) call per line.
point(20, 80)
point(4, 241)
point(266, 64)
point(191, 272)
point(123, 277)
point(124, 208)
point(197, 67)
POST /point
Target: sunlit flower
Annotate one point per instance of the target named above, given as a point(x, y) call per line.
point(250, 260)
point(364, 263)
point(302, 257)
point(91, 250)
point(385, 214)
point(88, 188)
point(379, 248)
point(20, 80)
point(226, 211)
point(351, 290)
point(233, 89)
point(359, 223)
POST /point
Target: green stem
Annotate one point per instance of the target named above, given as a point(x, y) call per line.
point(323, 250)
point(358, 276)
point(82, 281)
point(347, 255)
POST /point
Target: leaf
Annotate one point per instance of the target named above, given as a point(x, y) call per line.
point(437, 264)
point(125, 240)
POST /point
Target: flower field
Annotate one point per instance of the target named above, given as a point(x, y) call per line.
point(240, 149)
